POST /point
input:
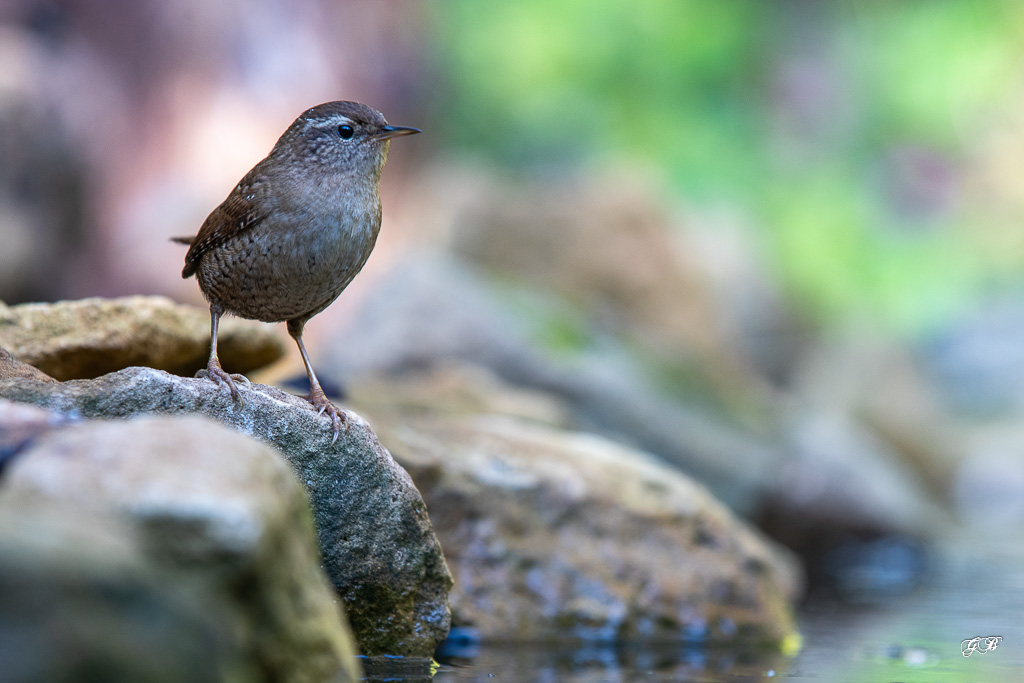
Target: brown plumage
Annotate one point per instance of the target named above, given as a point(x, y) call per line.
point(296, 229)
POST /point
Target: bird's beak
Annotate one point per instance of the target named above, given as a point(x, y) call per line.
point(388, 132)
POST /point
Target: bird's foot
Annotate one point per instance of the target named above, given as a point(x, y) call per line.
point(325, 407)
point(222, 378)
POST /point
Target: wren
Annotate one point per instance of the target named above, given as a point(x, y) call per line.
point(295, 230)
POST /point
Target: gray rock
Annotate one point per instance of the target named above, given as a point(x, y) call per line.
point(988, 489)
point(91, 337)
point(976, 361)
point(842, 477)
point(12, 368)
point(378, 547)
point(820, 471)
point(868, 450)
point(81, 601)
point(433, 310)
point(212, 509)
point(553, 534)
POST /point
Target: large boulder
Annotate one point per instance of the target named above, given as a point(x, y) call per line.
point(215, 515)
point(377, 544)
point(434, 309)
point(553, 534)
point(811, 469)
point(82, 601)
point(90, 337)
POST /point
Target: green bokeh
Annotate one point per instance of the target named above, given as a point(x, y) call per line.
point(704, 91)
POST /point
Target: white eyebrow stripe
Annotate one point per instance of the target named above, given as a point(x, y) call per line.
point(337, 120)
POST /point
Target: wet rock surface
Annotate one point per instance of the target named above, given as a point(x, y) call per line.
point(211, 515)
point(552, 534)
point(377, 544)
point(87, 338)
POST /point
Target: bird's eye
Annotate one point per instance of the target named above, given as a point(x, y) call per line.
point(346, 132)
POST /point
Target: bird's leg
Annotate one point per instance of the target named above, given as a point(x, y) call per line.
point(213, 368)
point(316, 394)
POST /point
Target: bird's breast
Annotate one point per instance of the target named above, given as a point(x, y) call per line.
point(295, 262)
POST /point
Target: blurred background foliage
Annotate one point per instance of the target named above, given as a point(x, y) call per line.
point(850, 134)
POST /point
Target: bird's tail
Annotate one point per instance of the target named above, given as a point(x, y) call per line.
point(187, 241)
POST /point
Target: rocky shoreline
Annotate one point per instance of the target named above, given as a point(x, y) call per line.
point(314, 551)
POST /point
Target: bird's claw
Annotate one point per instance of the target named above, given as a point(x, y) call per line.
point(324, 406)
point(222, 378)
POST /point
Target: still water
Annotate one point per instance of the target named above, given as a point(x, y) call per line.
point(976, 590)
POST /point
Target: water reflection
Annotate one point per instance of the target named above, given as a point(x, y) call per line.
point(975, 590)
point(610, 662)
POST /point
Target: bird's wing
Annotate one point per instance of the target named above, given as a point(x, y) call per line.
point(234, 216)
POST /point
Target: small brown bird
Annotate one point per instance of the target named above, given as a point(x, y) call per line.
point(295, 230)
